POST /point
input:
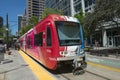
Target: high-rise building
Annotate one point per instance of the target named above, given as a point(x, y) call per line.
point(85, 5)
point(71, 7)
point(1, 22)
point(63, 5)
point(19, 22)
point(23, 21)
point(34, 8)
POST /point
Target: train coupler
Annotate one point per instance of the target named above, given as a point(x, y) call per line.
point(79, 67)
point(78, 71)
point(83, 65)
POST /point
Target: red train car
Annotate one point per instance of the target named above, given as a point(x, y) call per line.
point(55, 40)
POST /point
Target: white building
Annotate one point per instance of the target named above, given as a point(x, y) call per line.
point(71, 7)
point(108, 37)
point(34, 8)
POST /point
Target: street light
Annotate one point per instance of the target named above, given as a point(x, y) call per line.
point(6, 29)
point(7, 37)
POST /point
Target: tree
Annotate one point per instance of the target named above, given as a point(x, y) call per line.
point(104, 11)
point(2, 32)
point(48, 11)
point(31, 23)
point(81, 16)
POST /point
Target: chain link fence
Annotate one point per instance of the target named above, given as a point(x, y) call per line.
point(2, 51)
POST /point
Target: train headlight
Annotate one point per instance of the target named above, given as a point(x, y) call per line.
point(67, 53)
point(63, 53)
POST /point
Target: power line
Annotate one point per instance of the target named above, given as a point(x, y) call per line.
point(13, 21)
point(10, 21)
point(13, 25)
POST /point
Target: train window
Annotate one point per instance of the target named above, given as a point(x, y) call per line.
point(49, 39)
point(39, 39)
point(68, 33)
point(29, 42)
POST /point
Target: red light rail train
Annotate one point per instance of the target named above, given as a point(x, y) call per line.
point(54, 41)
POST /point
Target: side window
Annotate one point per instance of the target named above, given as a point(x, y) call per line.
point(29, 42)
point(39, 39)
point(49, 37)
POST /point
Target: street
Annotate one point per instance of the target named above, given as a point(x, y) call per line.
point(99, 68)
point(60, 40)
point(92, 73)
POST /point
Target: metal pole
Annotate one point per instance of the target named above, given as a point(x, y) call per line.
point(72, 8)
point(7, 30)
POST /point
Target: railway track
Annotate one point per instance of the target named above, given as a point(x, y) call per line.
point(91, 73)
point(85, 76)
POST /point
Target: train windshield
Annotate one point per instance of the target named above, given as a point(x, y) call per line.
point(68, 33)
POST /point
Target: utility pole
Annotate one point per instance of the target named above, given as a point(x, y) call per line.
point(7, 29)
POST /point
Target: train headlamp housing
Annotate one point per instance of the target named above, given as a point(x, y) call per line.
point(67, 53)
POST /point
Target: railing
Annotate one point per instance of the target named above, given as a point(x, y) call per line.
point(105, 51)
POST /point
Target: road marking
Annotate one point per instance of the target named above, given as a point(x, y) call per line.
point(105, 67)
point(40, 72)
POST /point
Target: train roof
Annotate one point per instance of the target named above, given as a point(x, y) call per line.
point(27, 32)
point(57, 17)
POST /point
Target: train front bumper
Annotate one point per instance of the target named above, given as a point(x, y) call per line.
point(67, 58)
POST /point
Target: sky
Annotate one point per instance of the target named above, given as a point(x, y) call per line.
point(13, 8)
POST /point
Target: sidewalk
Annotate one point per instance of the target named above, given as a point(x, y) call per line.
point(15, 68)
point(110, 61)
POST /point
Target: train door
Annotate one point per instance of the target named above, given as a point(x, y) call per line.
point(49, 48)
point(29, 42)
point(38, 42)
point(48, 41)
point(24, 43)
